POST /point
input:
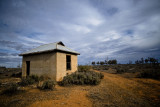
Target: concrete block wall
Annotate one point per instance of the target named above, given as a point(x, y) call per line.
point(61, 65)
point(41, 64)
point(51, 64)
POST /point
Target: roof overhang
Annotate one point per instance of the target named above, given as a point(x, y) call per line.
point(54, 50)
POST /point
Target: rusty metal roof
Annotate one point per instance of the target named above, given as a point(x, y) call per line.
point(58, 46)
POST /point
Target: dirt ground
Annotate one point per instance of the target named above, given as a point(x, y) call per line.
point(114, 90)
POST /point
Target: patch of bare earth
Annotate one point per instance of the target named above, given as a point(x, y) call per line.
point(75, 98)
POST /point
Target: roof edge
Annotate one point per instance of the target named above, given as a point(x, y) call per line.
point(48, 51)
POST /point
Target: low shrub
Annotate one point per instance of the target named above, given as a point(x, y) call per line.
point(44, 77)
point(19, 74)
point(27, 81)
point(31, 80)
point(41, 78)
point(84, 68)
point(82, 78)
point(121, 70)
point(100, 67)
point(35, 78)
point(49, 84)
point(101, 75)
point(12, 89)
point(155, 74)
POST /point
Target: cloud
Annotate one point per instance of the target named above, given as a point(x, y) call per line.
point(76, 28)
point(123, 30)
point(30, 39)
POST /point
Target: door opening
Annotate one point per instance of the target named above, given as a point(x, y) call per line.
point(28, 67)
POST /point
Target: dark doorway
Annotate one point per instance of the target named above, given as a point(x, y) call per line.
point(68, 62)
point(28, 67)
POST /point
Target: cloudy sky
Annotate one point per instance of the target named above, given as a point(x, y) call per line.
point(121, 29)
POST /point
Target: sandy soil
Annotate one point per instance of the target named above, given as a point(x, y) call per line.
point(75, 98)
point(114, 90)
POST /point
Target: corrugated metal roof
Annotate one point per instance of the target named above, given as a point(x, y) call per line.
point(50, 47)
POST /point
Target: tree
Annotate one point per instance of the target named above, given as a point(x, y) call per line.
point(93, 63)
point(152, 60)
point(109, 62)
point(114, 61)
point(106, 62)
point(98, 63)
point(136, 62)
point(101, 63)
point(146, 61)
point(142, 61)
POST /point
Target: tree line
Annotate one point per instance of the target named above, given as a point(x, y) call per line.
point(147, 60)
point(109, 62)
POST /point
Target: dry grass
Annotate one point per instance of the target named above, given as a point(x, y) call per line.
point(114, 90)
point(118, 91)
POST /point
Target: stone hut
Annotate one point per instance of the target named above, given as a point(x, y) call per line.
point(53, 60)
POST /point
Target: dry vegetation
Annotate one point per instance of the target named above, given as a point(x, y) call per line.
point(122, 85)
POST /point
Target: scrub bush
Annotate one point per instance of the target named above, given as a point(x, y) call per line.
point(44, 77)
point(155, 74)
point(82, 78)
point(49, 84)
point(101, 75)
point(19, 74)
point(35, 78)
point(121, 70)
point(41, 78)
point(27, 81)
point(12, 89)
point(84, 68)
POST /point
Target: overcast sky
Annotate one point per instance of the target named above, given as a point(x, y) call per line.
point(118, 29)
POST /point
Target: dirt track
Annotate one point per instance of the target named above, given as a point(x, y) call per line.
point(114, 90)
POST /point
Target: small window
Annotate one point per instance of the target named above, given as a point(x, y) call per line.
point(68, 62)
